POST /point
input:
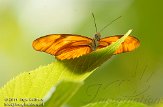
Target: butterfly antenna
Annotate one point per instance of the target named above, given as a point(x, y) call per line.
point(94, 22)
point(110, 23)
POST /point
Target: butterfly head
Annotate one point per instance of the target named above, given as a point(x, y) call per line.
point(97, 36)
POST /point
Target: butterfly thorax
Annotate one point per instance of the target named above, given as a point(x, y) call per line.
point(95, 42)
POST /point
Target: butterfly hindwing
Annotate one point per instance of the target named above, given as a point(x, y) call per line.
point(128, 45)
point(73, 52)
point(63, 46)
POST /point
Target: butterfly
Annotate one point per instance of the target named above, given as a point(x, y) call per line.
point(69, 46)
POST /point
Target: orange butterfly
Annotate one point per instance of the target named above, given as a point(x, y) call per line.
point(67, 46)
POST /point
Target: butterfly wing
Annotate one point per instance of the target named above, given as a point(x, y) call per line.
point(63, 46)
point(128, 45)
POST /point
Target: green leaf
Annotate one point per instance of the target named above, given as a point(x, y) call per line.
point(37, 83)
point(63, 92)
point(116, 104)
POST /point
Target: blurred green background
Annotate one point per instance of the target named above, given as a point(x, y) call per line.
point(131, 76)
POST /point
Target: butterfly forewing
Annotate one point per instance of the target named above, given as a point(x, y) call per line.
point(128, 45)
